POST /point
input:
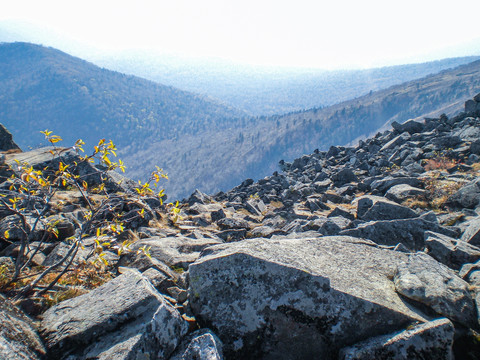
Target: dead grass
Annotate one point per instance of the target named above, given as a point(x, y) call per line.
point(75, 282)
point(476, 167)
point(440, 163)
point(438, 192)
point(276, 204)
point(416, 203)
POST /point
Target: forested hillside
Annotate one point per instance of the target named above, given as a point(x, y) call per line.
point(269, 90)
point(45, 88)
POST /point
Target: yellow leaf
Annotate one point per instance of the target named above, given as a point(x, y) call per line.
point(7, 234)
point(54, 139)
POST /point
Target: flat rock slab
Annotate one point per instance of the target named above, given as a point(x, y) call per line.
point(384, 184)
point(402, 192)
point(371, 207)
point(173, 250)
point(18, 339)
point(472, 232)
point(297, 298)
point(409, 232)
point(425, 280)
point(125, 318)
point(432, 340)
point(451, 252)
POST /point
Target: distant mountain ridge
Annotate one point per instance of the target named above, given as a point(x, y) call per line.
point(269, 90)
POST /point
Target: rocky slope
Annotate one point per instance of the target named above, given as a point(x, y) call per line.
point(367, 252)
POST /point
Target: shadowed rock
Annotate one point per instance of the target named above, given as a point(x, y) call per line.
point(432, 340)
point(371, 207)
point(125, 318)
point(18, 338)
point(427, 281)
point(297, 298)
point(6, 140)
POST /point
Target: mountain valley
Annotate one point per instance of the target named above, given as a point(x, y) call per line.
point(199, 142)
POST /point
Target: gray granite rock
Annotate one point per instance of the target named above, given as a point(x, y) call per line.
point(177, 251)
point(297, 298)
point(126, 318)
point(371, 207)
point(472, 233)
point(466, 197)
point(384, 184)
point(232, 223)
point(411, 126)
point(6, 140)
point(201, 344)
point(432, 340)
point(425, 280)
point(18, 338)
point(409, 232)
point(451, 252)
point(402, 192)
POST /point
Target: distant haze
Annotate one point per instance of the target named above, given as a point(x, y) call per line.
point(300, 33)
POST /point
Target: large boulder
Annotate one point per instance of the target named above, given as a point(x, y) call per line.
point(402, 192)
point(451, 252)
point(411, 126)
point(41, 159)
point(125, 318)
point(6, 140)
point(297, 298)
point(396, 142)
point(199, 197)
point(466, 197)
point(409, 232)
point(18, 338)
point(177, 251)
point(384, 184)
point(432, 340)
point(346, 175)
point(371, 207)
point(427, 281)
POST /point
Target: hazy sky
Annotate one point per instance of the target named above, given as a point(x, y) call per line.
point(333, 34)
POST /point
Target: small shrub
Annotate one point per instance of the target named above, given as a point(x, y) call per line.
point(441, 161)
point(103, 219)
point(439, 190)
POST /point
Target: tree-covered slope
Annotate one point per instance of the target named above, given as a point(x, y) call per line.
point(45, 88)
point(270, 90)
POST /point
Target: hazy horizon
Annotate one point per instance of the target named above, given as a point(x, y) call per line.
point(281, 34)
